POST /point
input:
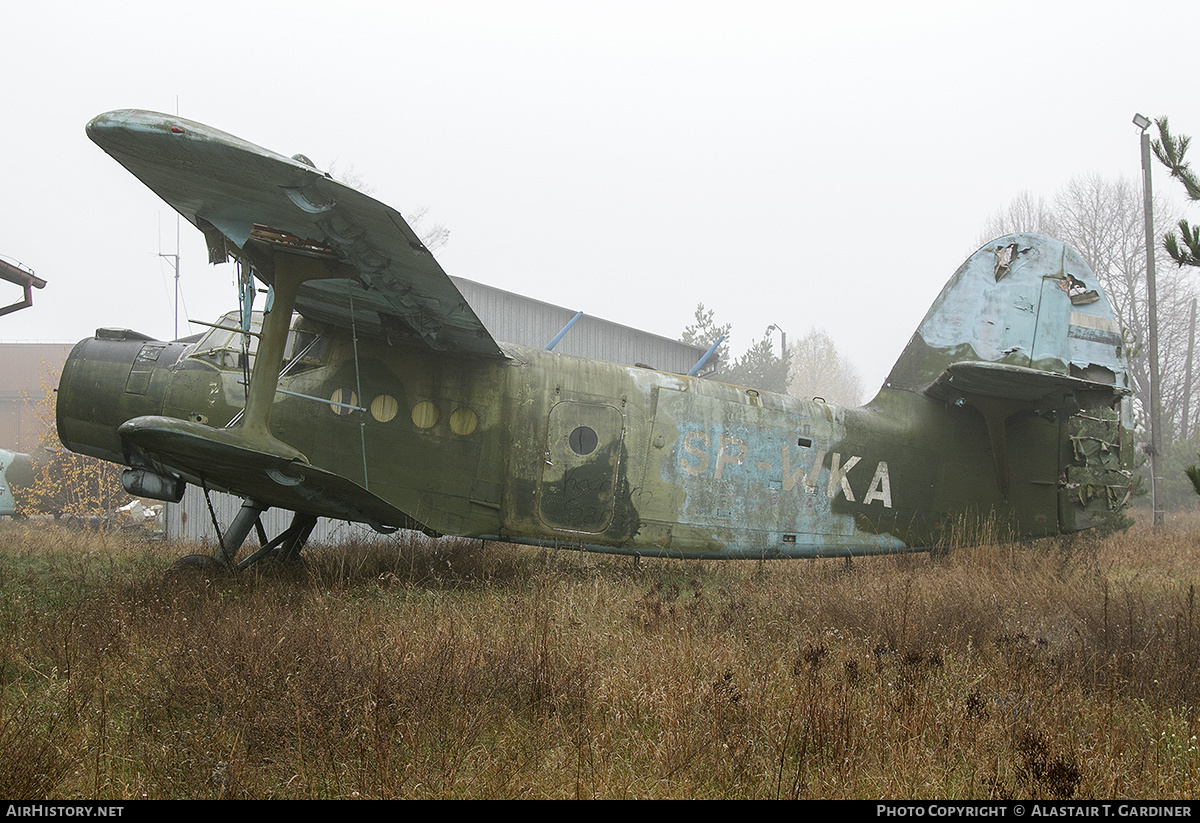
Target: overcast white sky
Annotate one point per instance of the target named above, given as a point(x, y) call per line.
point(797, 163)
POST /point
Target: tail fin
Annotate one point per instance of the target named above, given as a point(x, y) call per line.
point(1024, 301)
point(1024, 326)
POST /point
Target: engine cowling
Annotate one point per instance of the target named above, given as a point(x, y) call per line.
point(110, 378)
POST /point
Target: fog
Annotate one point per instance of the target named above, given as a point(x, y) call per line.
point(783, 163)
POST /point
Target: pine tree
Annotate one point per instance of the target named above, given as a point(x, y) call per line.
point(1170, 152)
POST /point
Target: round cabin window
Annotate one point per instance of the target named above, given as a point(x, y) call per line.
point(383, 408)
point(463, 421)
point(342, 401)
point(583, 440)
point(424, 415)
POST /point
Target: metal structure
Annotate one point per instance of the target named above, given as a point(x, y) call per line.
point(19, 275)
point(15, 466)
point(517, 318)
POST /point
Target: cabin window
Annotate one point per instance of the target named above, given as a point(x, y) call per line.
point(463, 421)
point(384, 408)
point(583, 440)
point(304, 350)
point(424, 415)
point(343, 401)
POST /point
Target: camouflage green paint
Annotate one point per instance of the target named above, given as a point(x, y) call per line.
point(1005, 406)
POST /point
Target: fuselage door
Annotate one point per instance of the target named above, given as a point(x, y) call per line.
point(577, 482)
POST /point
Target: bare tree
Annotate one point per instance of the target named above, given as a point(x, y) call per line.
point(817, 369)
point(1023, 214)
point(432, 237)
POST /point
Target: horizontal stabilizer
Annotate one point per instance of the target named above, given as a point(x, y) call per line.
point(1040, 390)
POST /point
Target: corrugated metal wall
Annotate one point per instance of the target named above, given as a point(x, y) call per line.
point(190, 520)
point(512, 318)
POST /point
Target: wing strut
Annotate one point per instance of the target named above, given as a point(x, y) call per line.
point(291, 271)
point(362, 421)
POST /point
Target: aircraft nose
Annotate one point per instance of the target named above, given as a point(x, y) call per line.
point(108, 379)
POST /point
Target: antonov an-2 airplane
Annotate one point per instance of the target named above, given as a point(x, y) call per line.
point(387, 402)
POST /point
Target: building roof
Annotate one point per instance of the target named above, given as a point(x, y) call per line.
point(515, 318)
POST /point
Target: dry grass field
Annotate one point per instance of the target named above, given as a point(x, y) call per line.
point(440, 669)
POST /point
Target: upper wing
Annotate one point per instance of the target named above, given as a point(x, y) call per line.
point(248, 200)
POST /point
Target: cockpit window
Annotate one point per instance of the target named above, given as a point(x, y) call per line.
point(305, 349)
point(226, 347)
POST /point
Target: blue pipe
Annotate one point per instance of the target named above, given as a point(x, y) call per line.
point(562, 333)
point(707, 355)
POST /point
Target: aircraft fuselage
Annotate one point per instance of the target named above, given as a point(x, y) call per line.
point(551, 449)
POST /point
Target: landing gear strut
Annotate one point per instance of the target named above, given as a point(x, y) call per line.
point(229, 543)
point(286, 546)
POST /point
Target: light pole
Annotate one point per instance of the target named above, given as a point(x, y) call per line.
point(782, 339)
point(783, 355)
point(1155, 447)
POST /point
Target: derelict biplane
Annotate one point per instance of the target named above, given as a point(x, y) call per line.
point(386, 401)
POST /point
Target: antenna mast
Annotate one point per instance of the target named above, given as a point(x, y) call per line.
point(175, 256)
